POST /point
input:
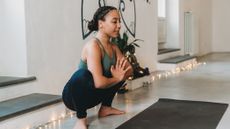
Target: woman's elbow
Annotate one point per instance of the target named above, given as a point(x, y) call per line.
point(98, 86)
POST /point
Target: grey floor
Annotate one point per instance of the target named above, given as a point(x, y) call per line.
point(210, 82)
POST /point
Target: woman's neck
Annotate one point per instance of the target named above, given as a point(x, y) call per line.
point(105, 39)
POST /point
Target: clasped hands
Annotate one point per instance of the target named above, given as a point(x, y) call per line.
point(120, 69)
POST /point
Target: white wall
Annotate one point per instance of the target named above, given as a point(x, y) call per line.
point(13, 59)
point(205, 26)
point(202, 11)
point(221, 20)
point(147, 30)
point(54, 39)
point(202, 14)
point(172, 16)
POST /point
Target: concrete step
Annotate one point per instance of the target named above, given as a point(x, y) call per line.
point(167, 50)
point(168, 53)
point(30, 110)
point(175, 62)
point(13, 87)
point(9, 80)
point(177, 59)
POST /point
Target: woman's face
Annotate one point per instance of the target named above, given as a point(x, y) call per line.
point(111, 25)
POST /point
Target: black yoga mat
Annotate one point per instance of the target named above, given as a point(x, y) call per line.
point(178, 114)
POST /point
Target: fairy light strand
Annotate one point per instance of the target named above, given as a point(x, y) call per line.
point(165, 74)
point(177, 70)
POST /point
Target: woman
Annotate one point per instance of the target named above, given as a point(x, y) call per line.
point(102, 69)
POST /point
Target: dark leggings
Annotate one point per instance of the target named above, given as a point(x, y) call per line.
point(80, 94)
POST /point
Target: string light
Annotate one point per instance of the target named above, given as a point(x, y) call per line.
point(69, 114)
point(55, 122)
point(177, 70)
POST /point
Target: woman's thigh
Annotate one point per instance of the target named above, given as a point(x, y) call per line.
point(80, 90)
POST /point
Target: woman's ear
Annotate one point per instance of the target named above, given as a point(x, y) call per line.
point(100, 24)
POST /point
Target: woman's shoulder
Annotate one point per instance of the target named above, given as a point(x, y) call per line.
point(92, 46)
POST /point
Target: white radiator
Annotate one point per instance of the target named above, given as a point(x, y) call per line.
point(191, 40)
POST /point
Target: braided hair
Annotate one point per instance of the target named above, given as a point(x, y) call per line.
point(99, 15)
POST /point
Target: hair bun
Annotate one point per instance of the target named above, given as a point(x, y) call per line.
point(92, 25)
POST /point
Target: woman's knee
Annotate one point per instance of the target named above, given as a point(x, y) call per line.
point(82, 77)
point(84, 74)
point(81, 74)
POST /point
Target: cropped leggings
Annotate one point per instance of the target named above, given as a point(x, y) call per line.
point(80, 94)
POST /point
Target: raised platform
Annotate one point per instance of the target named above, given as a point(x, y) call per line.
point(175, 62)
point(177, 59)
point(21, 105)
point(167, 50)
point(9, 80)
point(165, 54)
point(138, 82)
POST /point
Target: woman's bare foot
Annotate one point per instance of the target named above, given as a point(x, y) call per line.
point(106, 111)
point(81, 124)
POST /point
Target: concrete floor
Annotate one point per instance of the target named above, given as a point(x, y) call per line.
point(210, 82)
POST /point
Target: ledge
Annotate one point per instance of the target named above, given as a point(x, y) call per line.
point(167, 50)
point(9, 80)
point(177, 59)
point(138, 82)
point(21, 105)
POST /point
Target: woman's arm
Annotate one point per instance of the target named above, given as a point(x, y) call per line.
point(94, 57)
point(128, 65)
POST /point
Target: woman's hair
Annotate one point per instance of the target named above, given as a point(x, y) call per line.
point(99, 15)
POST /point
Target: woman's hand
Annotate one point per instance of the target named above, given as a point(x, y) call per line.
point(119, 70)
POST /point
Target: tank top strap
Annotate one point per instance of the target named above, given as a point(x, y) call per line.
point(103, 49)
point(106, 61)
point(101, 46)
